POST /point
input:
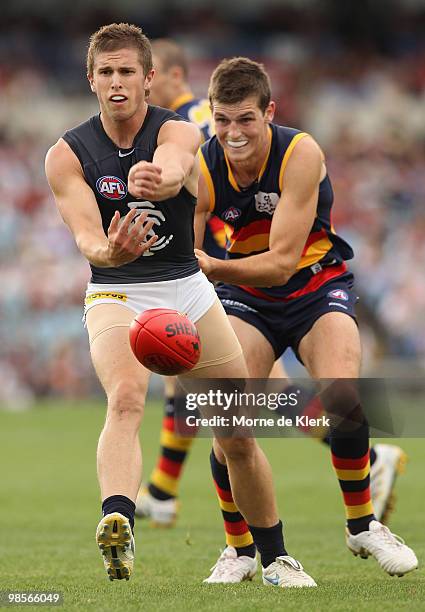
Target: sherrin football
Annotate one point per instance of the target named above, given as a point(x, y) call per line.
point(165, 341)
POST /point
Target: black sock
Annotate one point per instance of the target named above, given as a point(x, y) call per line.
point(246, 551)
point(269, 541)
point(158, 494)
point(121, 504)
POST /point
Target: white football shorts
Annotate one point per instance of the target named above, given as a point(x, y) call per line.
point(192, 295)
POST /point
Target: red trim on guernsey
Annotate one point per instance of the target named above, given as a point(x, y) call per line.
point(236, 529)
point(255, 227)
point(168, 423)
point(350, 464)
point(314, 237)
point(357, 498)
point(170, 467)
point(223, 494)
point(314, 283)
point(216, 224)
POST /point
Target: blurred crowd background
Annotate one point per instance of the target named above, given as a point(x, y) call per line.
point(350, 73)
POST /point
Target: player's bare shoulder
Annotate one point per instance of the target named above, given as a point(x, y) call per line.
point(308, 150)
point(182, 133)
point(306, 161)
point(61, 163)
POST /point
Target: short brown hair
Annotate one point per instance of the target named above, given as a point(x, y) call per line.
point(171, 54)
point(119, 36)
point(238, 78)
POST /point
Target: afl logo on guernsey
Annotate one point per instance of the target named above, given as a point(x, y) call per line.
point(338, 294)
point(111, 187)
point(231, 214)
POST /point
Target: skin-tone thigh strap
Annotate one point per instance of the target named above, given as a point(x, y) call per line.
point(110, 350)
point(218, 340)
point(103, 317)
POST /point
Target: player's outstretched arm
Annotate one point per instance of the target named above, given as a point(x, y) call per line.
point(291, 225)
point(173, 165)
point(78, 207)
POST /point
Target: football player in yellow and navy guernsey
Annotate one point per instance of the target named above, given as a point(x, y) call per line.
point(158, 500)
point(285, 284)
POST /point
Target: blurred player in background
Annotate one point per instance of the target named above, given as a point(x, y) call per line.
point(170, 89)
point(159, 500)
point(286, 284)
point(113, 177)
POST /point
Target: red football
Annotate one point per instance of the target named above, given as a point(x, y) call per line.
point(165, 341)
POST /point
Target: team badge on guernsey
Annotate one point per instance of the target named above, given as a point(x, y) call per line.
point(266, 202)
point(111, 187)
point(338, 294)
point(230, 214)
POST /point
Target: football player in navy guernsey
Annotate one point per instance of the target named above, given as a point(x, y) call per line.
point(286, 283)
point(125, 182)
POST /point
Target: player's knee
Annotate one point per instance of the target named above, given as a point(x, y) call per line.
point(238, 449)
point(127, 401)
point(342, 401)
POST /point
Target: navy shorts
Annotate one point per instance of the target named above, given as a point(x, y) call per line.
point(284, 324)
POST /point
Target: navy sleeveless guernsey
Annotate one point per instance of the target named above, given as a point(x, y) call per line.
point(105, 167)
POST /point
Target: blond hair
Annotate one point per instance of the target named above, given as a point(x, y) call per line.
point(119, 36)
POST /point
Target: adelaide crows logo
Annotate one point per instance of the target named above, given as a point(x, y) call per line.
point(266, 202)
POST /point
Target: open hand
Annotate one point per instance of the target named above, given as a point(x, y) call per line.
point(127, 239)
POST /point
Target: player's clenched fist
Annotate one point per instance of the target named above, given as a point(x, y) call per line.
point(127, 237)
point(144, 179)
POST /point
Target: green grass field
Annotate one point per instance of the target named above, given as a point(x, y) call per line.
point(49, 506)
